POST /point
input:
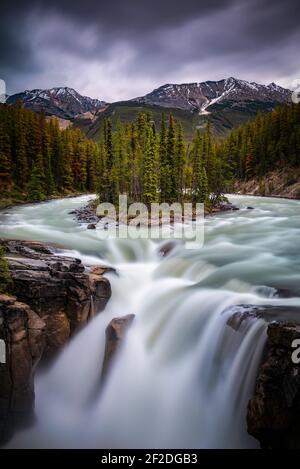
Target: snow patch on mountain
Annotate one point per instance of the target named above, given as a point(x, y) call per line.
point(63, 102)
point(202, 96)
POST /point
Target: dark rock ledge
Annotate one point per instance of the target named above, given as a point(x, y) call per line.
point(274, 411)
point(51, 298)
point(273, 415)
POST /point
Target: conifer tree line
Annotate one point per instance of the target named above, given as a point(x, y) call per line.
point(151, 164)
point(271, 141)
point(38, 160)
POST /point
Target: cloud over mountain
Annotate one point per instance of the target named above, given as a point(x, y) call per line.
point(116, 50)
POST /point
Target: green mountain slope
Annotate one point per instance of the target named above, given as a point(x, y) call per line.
point(222, 117)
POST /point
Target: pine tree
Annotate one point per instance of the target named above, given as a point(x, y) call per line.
point(5, 279)
point(202, 188)
point(135, 190)
point(107, 190)
point(91, 167)
point(21, 158)
point(5, 161)
point(170, 168)
point(250, 162)
point(179, 162)
point(36, 186)
point(66, 164)
point(5, 170)
point(199, 174)
point(163, 163)
point(47, 161)
point(151, 178)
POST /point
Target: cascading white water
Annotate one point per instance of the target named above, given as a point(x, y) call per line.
point(183, 376)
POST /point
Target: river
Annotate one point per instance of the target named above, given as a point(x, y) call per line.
point(183, 376)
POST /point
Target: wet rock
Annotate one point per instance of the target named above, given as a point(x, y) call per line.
point(56, 296)
point(166, 248)
point(87, 214)
point(244, 313)
point(91, 226)
point(114, 334)
point(24, 333)
point(273, 415)
point(287, 293)
point(102, 269)
point(58, 288)
point(274, 411)
point(241, 315)
point(31, 249)
point(250, 208)
point(58, 330)
point(225, 207)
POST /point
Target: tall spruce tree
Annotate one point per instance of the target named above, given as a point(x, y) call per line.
point(150, 177)
point(180, 157)
point(135, 188)
point(163, 162)
point(36, 185)
point(107, 189)
point(199, 175)
point(5, 161)
point(170, 168)
point(5, 278)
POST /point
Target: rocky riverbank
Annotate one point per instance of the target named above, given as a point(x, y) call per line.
point(51, 297)
point(274, 411)
point(281, 183)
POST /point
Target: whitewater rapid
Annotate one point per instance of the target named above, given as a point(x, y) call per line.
point(183, 376)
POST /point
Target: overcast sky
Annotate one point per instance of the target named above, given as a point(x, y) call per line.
point(121, 49)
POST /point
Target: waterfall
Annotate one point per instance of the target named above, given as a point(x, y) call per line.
point(183, 376)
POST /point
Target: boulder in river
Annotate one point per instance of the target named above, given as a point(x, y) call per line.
point(166, 248)
point(114, 335)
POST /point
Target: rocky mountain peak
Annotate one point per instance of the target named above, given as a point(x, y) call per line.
point(62, 102)
point(201, 96)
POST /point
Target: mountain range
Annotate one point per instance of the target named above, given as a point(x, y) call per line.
point(225, 103)
point(64, 102)
point(202, 96)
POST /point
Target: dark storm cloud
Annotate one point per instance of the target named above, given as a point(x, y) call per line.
point(121, 48)
point(134, 15)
